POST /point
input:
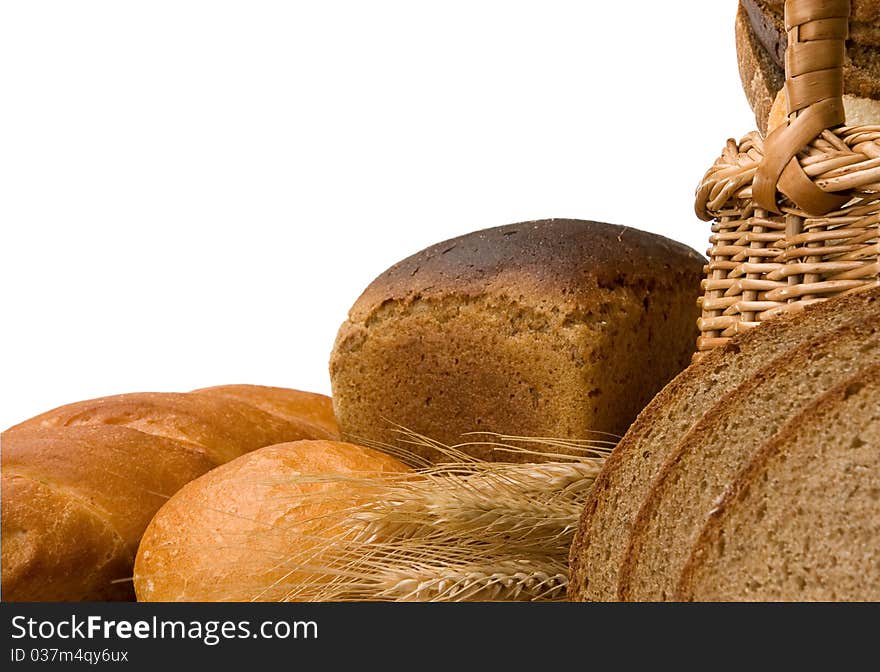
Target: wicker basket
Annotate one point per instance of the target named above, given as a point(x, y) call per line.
point(796, 214)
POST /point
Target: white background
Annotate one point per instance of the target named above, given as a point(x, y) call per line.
point(194, 193)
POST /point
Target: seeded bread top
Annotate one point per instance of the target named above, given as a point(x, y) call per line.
point(768, 22)
point(861, 10)
point(565, 259)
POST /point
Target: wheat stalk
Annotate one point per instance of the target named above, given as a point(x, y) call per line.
point(438, 581)
point(461, 530)
point(423, 571)
point(519, 505)
point(508, 580)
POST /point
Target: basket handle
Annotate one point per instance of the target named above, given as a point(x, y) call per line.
point(814, 58)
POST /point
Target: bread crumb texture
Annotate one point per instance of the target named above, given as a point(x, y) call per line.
point(559, 328)
point(803, 521)
point(680, 466)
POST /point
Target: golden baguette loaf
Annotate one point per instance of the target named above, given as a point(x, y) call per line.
point(228, 535)
point(72, 513)
point(293, 405)
point(80, 483)
point(224, 428)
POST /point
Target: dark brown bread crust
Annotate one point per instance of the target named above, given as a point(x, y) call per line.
point(860, 10)
point(565, 258)
point(761, 78)
point(768, 23)
point(768, 28)
point(549, 328)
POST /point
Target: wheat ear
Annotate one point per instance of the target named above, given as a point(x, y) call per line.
point(460, 530)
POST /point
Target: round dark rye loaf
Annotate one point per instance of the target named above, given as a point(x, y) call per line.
point(718, 447)
point(623, 484)
point(802, 521)
point(557, 328)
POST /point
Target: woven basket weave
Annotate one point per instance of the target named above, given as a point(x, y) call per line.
point(796, 214)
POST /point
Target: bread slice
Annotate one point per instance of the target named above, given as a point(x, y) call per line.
point(719, 446)
point(623, 484)
point(802, 522)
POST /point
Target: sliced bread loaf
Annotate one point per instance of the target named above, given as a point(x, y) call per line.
point(722, 443)
point(603, 534)
point(802, 522)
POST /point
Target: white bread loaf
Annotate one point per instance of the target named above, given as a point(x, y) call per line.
point(230, 535)
point(81, 483)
